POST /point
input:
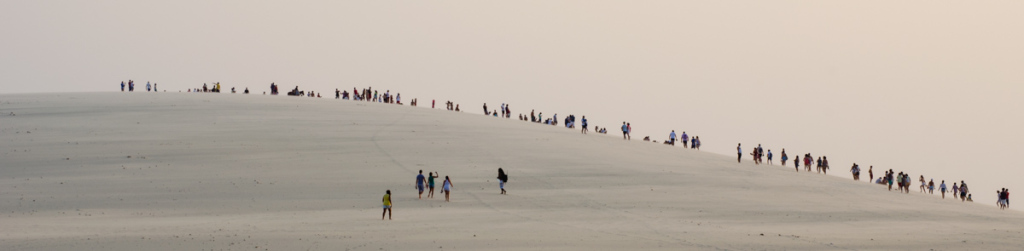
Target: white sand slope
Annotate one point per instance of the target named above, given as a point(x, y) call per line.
point(186, 171)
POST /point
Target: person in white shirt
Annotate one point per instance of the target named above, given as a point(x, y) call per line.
point(942, 188)
point(739, 153)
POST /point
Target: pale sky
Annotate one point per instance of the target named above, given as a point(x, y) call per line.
point(927, 87)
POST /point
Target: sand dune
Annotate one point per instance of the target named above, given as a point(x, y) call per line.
point(186, 171)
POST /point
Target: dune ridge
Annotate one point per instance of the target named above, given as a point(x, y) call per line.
point(182, 171)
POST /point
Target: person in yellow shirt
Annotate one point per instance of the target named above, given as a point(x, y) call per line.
point(387, 205)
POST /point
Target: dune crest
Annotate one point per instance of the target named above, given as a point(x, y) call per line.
point(188, 171)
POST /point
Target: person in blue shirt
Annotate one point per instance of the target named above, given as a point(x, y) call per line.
point(419, 183)
point(684, 138)
point(672, 137)
point(625, 130)
point(122, 86)
point(769, 156)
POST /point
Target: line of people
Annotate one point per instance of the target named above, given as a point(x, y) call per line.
point(131, 86)
point(901, 180)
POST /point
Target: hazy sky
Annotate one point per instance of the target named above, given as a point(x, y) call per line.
point(928, 87)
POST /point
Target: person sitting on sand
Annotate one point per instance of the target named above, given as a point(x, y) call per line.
point(447, 188)
point(387, 205)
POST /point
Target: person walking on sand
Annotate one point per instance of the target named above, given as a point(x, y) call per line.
point(769, 156)
point(757, 155)
point(502, 178)
point(739, 153)
point(430, 183)
point(931, 186)
point(784, 157)
point(684, 138)
point(807, 162)
point(856, 171)
point(796, 163)
point(888, 178)
point(824, 164)
point(629, 130)
point(420, 181)
point(584, 120)
point(387, 205)
point(963, 191)
point(447, 189)
point(942, 189)
point(871, 173)
point(672, 138)
point(923, 184)
point(122, 86)
point(625, 133)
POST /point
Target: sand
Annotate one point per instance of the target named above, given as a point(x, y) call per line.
point(190, 171)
